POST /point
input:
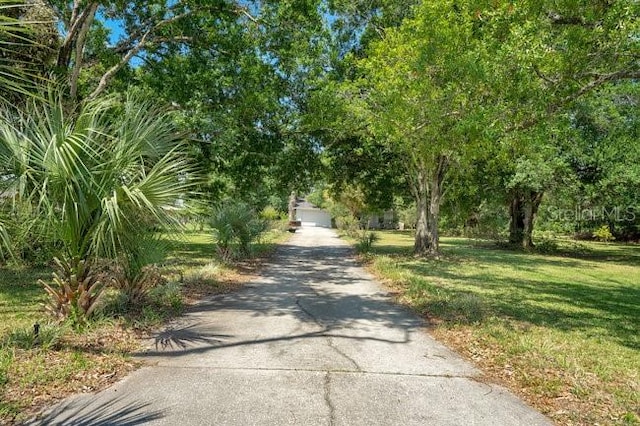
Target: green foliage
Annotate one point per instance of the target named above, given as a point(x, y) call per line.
point(135, 273)
point(48, 337)
point(98, 176)
point(486, 86)
point(27, 41)
point(6, 358)
point(136, 287)
point(96, 180)
point(603, 234)
point(208, 274)
point(360, 22)
point(235, 227)
point(366, 240)
point(167, 295)
point(317, 197)
point(547, 246)
point(76, 290)
point(25, 238)
point(411, 107)
point(348, 224)
point(604, 157)
point(407, 214)
point(242, 89)
point(270, 213)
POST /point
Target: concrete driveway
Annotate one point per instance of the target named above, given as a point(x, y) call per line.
point(314, 341)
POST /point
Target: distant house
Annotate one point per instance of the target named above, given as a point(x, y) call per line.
point(386, 220)
point(310, 215)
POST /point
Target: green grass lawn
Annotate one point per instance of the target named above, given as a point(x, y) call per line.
point(64, 362)
point(21, 297)
point(563, 330)
point(31, 377)
point(193, 261)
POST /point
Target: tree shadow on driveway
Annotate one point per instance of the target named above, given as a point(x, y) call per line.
point(77, 413)
point(322, 287)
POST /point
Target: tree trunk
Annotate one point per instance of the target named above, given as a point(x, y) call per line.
point(428, 194)
point(523, 210)
point(516, 223)
point(422, 241)
point(433, 215)
point(78, 19)
point(79, 47)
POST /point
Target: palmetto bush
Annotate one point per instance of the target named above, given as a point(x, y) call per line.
point(235, 227)
point(136, 272)
point(101, 176)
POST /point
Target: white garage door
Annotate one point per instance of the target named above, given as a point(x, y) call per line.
point(314, 218)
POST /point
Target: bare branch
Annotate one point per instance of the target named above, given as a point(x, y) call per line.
point(80, 43)
point(64, 55)
point(542, 76)
point(107, 76)
point(74, 10)
point(245, 12)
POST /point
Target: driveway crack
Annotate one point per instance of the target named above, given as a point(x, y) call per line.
point(327, 399)
point(307, 312)
point(329, 338)
point(341, 353)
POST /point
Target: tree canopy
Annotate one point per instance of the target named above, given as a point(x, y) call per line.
point(386, 98)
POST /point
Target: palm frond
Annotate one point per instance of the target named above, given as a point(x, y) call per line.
point(16, 76)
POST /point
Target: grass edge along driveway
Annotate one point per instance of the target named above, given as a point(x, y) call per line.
point(561, 330)
point(90, 359)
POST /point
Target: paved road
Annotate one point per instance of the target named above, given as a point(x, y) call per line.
point(314, 341)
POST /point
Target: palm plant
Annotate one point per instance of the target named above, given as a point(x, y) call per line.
point(136, 273)
point(236, 224)
point(102, 176)
point(27, 37)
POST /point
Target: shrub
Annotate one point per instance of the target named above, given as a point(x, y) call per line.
point(25, 238)
point(366, 240)
point(270, 213)
point(458, 308)
point(578, 247)
point(47, 337)
point(235, 227)
point(114, 170)
point(135, 273)
point(349, 224)
point(135, 285)
point(208, 274)
point(76, 289)
point(603, 234)
point(546, 246)
point(167, 295)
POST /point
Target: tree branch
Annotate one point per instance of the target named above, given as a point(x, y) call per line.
point(542, 76)
point(245, 12)
point(557, 19)
point(599, 80)
point(74, 10)
point(107, 76)
point(80, 43)
point(77, 21)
